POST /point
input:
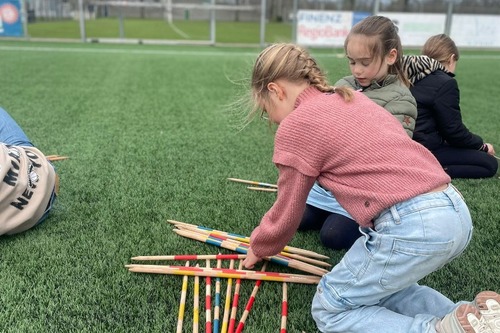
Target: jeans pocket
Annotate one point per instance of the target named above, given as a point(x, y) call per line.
point(410, 261)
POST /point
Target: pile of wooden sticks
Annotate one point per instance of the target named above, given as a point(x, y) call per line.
point(228, 323)
point(296, 258)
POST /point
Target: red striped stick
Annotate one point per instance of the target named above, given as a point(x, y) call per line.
point(192, 257)
point(182, 303)
point(208, 301)
point(284, 308)
point(224, 273)
point(234, 309)
point(250, 302)
point(227, 302)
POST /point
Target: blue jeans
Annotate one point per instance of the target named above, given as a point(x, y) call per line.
point(323, 199)
point(10, 132)
point(374, 287)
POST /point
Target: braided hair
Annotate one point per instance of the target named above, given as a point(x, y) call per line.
point(292, 63)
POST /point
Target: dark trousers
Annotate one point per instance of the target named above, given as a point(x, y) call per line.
point(336, 231)
point(466, 163)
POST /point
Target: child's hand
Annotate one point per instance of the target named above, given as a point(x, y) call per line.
point(251, 259)
point(491, 150)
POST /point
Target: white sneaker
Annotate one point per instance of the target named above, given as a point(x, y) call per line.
point(488, 304)
point(466, 318)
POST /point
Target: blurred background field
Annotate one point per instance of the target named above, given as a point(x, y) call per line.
point(151, 136)
point(227, 31)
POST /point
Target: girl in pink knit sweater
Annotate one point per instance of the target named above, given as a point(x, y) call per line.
point(412, 220)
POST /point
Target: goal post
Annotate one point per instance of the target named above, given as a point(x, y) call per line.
point(167, 7)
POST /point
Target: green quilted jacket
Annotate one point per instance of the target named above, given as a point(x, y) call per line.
point(392, 95)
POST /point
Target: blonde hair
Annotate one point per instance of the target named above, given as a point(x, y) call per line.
point(292, 63)
point(440, 47)
point(386, 39)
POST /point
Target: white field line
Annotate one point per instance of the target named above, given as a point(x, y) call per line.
point(196, 53)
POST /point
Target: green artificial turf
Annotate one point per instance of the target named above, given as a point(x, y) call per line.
point(150, 137)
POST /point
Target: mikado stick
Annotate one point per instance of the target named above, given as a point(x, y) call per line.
point(246, 239)
point(234, 308)
point(227, 301)
point(217, 300)
point(192, 257)
point(284, 308)
point(196, 304)
point(224, 273)
point(263, 189)
point(208, 301)
point(250, 302)
point(182, 303)
point(221, 236)
point(242, 248)
point(252, 182)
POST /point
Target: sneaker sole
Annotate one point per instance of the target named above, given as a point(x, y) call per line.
point(487, 301)
point(465, 313)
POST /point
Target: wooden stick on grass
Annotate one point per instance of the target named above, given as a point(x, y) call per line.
point(53, 158)
point(196, 304)
point(208, 301)
point(246, 239)
point(263, 189)
point(251, 182)
point(192, 257)
point(234, 308)
point(217, 300)
point(242, 248)
point(224, 273)
point(182, 303)
point(284, 308)
point(250, 302)
point(227, 301)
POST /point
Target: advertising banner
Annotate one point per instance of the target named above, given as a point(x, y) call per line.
point(475, 30)
point(416, 28)
point(10, 18)
point(325, 28)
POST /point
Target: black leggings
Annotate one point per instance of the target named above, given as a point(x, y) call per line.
point(337, 232)
point(466, 163)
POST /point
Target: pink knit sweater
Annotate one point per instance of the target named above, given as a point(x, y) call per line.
point(357, 150)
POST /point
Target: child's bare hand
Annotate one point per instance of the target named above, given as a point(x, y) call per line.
point(251, 259)
point(491, 150)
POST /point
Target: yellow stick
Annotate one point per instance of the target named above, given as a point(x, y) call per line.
point(182, 303)
point(224, 273)
point(227, 302)
point(263, 189)
point(251, 182)
point(196, 303)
